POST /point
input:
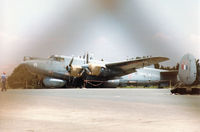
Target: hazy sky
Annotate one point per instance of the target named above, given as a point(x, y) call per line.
point(111, 29)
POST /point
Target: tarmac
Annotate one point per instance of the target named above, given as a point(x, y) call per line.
point(98, 110)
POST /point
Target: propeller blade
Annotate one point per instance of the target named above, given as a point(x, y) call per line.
point(87, 58)
point(81, 72)
point(70, 63)
point(68, 68)
point(87, 70)
point(197, 61)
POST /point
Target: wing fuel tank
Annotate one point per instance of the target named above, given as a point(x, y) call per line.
point(53, 82)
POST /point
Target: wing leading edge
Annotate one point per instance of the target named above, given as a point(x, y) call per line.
point(129, 66)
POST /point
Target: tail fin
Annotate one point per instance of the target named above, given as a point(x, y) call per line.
point(188, 70)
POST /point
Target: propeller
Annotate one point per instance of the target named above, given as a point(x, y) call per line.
point(91, 68)
point(85, 68)
point(88, 68)
point(69, 67)
point(74, 70)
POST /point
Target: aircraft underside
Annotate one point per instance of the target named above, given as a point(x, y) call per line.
point(80, 83)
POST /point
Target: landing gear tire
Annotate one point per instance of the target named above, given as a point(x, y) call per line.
point(181, 90)
point(178, 91)
point(196, 91)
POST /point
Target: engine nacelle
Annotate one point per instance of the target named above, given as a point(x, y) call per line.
point(188, 70)
point(75, 71)
point(95, 70)
point(53, 82)
point(111, 83)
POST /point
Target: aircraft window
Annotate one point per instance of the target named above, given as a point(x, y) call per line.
point(59, 59)
point(51, 56)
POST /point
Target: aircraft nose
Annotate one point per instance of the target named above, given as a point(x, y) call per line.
point(30, 65)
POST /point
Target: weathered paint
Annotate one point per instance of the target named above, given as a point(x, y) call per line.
point(188, 69)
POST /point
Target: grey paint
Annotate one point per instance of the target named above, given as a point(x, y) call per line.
point(188, 69)
point(144, 74)
point(52, 82)
point(55, 67)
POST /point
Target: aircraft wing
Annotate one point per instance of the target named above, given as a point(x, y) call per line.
point(129, 66)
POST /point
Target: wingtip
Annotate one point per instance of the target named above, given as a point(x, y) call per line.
point(164, 58)
point(161, 59)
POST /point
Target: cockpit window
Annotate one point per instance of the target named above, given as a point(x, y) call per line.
point(60, 59)
point(52, 56)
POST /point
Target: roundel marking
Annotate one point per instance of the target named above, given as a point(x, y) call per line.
point(188, 69)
